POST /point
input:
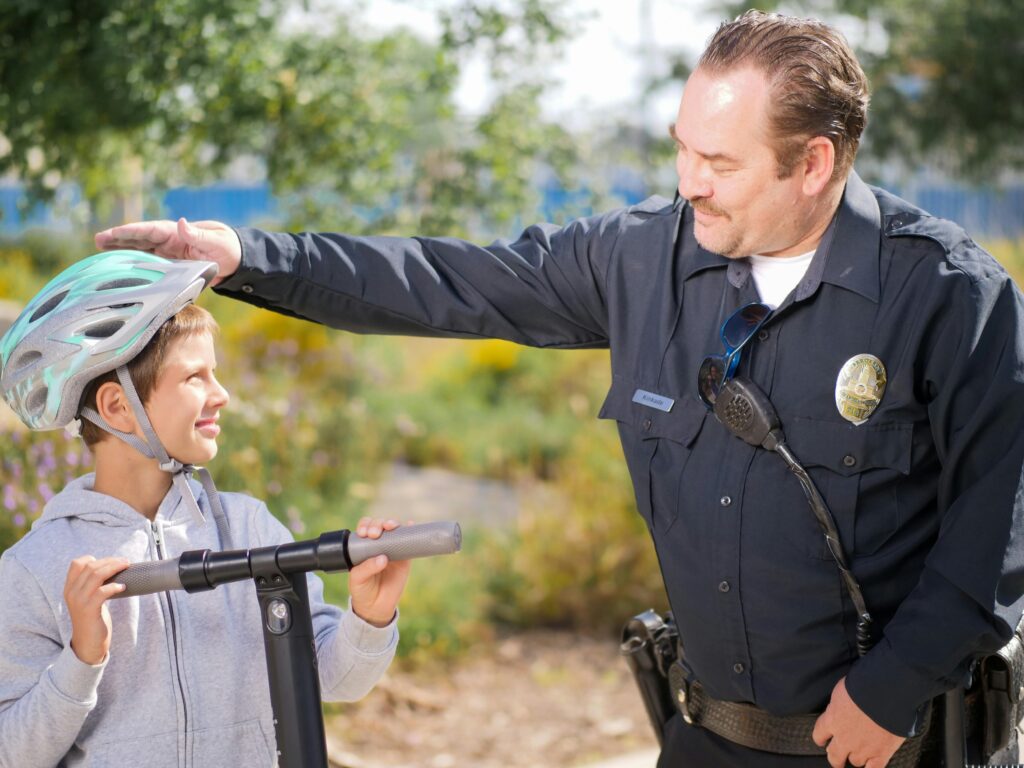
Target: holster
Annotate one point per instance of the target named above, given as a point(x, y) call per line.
point(1001, 680)
point(649, 645)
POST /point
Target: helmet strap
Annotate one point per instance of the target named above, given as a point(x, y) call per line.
point(152, 448)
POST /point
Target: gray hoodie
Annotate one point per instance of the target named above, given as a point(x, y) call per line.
point(185, 682)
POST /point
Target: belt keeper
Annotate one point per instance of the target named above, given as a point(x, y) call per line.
point(684, 702)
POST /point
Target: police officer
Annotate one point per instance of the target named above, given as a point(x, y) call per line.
point(890, 344)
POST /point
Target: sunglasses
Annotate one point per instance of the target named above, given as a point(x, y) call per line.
point(736, 331)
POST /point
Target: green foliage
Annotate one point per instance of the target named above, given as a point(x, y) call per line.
point(86, 89)
point(580, 556)
point(493, 408)
point(1009, 253)
point(46, 254)
point(356, 129)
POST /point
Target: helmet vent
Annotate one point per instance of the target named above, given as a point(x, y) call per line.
point(27, 358)
point(124, 282)
point(48, 306)
point(103, 330)
point(37, 401)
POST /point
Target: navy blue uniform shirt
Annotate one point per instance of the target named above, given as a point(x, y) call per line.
point(926, 493)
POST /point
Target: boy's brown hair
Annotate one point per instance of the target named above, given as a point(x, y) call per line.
point(145, 368)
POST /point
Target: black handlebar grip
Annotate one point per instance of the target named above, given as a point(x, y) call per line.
point(148, 577)
point(407, 542)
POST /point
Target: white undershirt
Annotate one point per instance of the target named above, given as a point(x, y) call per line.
point(776, 276)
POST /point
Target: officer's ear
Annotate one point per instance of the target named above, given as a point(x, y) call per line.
point(817, 165)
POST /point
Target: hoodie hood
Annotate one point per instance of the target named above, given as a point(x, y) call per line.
point(79, 500)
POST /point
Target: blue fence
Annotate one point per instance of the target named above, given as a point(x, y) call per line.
point(985, 214)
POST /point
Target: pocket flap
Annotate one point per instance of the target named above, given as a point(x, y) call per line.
point(848, 449)
point(681, 423)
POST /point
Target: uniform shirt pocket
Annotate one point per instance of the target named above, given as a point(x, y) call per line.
point(653, 439)
point(858, 469)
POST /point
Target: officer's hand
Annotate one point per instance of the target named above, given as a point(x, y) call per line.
point(86, 597)
point(376, 584)
point(850, 735)
point(201, 240)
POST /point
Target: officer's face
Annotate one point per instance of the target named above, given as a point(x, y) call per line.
point(729, 172)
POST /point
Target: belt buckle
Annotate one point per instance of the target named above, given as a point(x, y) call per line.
point(683, 697)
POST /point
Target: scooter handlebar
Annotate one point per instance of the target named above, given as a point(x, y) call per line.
point(148, 577)
point(408, 542)
point(404, 543)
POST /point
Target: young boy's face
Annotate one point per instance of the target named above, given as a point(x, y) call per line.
point(186, 400)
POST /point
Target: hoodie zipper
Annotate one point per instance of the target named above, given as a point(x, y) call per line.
point(158, 539)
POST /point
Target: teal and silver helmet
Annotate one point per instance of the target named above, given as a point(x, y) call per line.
point(95, 316)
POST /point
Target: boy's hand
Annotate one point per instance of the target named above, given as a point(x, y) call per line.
point(199, 240)
point(376, 584)
point(86, 597)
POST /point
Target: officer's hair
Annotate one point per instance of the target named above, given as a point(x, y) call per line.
point(818, 86)
point(145, 367)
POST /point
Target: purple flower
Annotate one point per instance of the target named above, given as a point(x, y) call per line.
point(295, 522)
point(19, 520)
point(72, 458)
point(45, 491)
point(10, 502)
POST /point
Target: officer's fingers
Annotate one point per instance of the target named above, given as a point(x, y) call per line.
point(194, 238)
point(140, 235)
point(390, 525)
point(822, 731)
point(361, 526)
point(836, 755)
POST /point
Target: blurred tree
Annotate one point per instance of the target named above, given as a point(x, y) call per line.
point(103, 91)
point(356, 128)
point(945, 79)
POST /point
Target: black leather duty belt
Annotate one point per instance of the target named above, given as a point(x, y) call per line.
point(749, 726)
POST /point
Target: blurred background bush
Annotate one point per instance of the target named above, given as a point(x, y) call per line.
point(114, 111)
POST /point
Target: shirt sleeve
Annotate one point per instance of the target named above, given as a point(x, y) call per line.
point(352, 655)
point(46, 692)
point(545, 289)
point(968, 599)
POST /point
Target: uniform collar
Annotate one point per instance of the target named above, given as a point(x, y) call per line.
point(847, 255)
point(851, 257)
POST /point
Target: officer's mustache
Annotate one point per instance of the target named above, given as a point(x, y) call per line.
point(704, 205)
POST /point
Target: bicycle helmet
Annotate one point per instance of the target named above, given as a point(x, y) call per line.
point(94, 316)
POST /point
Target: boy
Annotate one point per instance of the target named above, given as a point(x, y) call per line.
point(171, 679)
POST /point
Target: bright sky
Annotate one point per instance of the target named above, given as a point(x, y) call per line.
point(602, 65)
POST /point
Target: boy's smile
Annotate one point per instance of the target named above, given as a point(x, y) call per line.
point(185, 403)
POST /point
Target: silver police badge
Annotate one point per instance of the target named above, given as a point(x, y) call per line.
point(859, 387)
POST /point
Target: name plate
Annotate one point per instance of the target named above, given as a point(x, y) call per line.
point(651, 400)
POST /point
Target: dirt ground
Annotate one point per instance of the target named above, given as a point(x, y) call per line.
point(540, 699)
